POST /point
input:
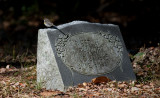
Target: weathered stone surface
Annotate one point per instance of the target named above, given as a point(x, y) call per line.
point(47, 70)
point(90, 50)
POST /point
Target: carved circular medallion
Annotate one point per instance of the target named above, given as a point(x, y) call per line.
point(90, 53)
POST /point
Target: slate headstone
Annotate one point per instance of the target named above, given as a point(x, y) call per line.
point(88, 50)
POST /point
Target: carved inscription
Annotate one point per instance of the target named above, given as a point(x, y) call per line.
point(90, 53)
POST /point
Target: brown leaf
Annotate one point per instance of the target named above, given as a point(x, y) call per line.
point(48, 93)
point(100, 80)
point(146, 87)
point(82, 89)
point(90, 95)
point(84, 84)
point(112, 85)
point(98, 94)
point(138, 85)
point(122, 85)
point(80, 85)
point(30, 77)
point(140, 73)
point(2, 70)
point(22, 84)
point(158, 89)
point(134, 89)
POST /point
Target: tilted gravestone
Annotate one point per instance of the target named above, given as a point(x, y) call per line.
point(88, 50)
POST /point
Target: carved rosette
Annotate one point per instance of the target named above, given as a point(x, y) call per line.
point(90, 53)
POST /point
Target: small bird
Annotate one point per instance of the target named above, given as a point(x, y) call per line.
point(49, 24)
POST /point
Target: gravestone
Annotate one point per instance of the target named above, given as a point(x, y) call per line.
point(88, 50)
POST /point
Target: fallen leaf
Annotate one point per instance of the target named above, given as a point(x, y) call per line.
point(2, 70)
point(7, 67)
point(122, 85)
point(80, 85)
point(22, 84)
point(112, 85)
point(146, 87)
point(16, 84)
point(82, 89)
point(134, 89)
point(138, 85)
point(30, 78)
point(108, 89)
point(98, 94)
point(140, 73)
point(84, 84)
point(3, 82)
point(158, 89)
point(100, 80)
point(48, 93)
point(90, 95)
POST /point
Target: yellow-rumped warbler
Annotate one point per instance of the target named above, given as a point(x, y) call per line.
point(48, 23)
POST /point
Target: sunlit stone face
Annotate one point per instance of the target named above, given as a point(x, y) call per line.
point(90, 53)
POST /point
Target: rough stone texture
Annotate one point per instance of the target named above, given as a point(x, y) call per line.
point(90, 50)
point(47, 70)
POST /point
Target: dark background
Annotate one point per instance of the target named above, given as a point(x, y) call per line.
point(139, 20)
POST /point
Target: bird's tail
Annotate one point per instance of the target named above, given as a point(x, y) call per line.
point(59, 30)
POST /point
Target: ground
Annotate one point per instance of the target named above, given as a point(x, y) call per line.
point(20, 80)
